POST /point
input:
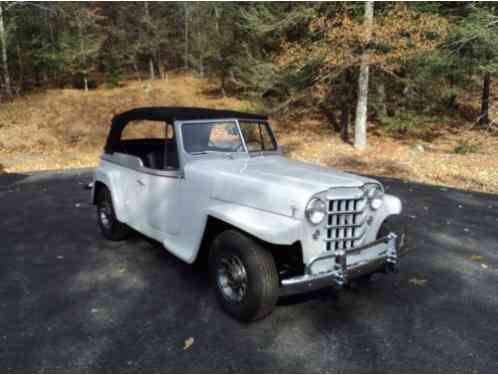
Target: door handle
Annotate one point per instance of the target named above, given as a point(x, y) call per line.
point(140, 182)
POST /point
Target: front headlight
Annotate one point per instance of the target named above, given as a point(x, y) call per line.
point(316, 210)
point(374, 193)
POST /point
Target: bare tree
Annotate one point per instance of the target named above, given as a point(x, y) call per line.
point(360, 139)
point(148, 27)
point(484, 116)
point(5, 61)
point(185, 29)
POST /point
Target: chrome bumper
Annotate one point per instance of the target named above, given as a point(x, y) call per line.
point(343, 273)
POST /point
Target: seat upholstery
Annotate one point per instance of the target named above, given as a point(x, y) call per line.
point(154, 159)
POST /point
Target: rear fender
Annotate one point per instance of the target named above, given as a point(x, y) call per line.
point(109, 180)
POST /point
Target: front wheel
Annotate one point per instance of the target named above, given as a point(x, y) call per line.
point(245, 276)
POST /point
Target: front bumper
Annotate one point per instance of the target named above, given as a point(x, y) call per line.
point(380, 255)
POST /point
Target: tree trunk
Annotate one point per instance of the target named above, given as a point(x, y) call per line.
point(345, 122)
point(185, 5)
point(484, 117)
point(136, 70)
point(381, 94)
point(151, 69)
point(360, 141)
point(223, 81)
point(201, 56)
point(20, 64)
point(5, 61)
point(85, 83)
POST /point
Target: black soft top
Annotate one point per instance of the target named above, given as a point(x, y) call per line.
point(169, 115)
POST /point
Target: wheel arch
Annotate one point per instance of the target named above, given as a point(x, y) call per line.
point(282, 253)
point(104, 179)
point(98, 186)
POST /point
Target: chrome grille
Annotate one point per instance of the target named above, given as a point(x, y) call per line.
point(346, 223)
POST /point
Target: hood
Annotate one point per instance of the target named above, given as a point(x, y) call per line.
point(270, 183)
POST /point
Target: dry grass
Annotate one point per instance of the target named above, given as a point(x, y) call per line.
point(398, 157)
point(67, 129)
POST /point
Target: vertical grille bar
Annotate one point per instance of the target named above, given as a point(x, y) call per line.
point(345, 223)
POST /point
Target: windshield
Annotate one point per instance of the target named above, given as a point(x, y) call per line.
point(258, 136)
point(212, 136)
point(224, 136)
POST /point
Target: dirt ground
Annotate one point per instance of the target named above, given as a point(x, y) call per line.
point(61, 129)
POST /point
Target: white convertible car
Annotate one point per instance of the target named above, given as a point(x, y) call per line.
point(212, 185)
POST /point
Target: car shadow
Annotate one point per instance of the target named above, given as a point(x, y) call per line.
point(9, 179)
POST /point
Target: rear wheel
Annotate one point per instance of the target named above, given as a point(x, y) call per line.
point(244, 274)
point(111, 227)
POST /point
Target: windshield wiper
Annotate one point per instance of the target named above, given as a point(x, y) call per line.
point(228, 153)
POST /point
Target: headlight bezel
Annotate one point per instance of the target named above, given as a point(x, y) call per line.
point(316, 205)
point(374, 193)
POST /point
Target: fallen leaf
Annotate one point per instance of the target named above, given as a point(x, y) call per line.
point(485, 266)
point(475, 258)
point(417, 282)
point(188, 343)
point(94, 310)
point(60, 257)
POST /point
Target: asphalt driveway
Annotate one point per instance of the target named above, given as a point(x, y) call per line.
point(71, 301)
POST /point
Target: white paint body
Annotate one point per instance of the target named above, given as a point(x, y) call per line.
point(264, 195)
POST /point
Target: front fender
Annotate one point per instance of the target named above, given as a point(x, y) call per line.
point(267, 226)
point(393, 205)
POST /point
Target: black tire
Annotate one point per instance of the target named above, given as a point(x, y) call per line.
point(111, 227)
point(262, 283)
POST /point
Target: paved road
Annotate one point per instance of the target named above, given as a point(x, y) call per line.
point(71, 301)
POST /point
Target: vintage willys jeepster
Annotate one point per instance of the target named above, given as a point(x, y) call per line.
point(213, 186)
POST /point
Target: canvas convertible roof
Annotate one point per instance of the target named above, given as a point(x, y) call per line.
point(169, 115)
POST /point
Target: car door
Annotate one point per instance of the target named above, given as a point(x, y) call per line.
point(164, 187)
point(162, 203)
point(148, 190)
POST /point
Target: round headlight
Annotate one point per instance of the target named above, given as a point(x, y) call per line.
point(373, 191)
point(376, 203)
point(316, 210)
point(374, 194)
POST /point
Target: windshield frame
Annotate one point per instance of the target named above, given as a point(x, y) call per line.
point(246, 151)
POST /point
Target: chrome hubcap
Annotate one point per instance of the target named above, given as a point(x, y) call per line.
point(232, 278)
point(105, 215)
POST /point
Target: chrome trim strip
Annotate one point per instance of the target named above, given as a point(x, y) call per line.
point(160, 173)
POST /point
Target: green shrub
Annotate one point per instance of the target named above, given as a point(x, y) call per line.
point(406, 120)
point(114, 78)
point(464, 147)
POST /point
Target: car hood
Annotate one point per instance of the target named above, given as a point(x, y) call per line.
point(270, 183)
